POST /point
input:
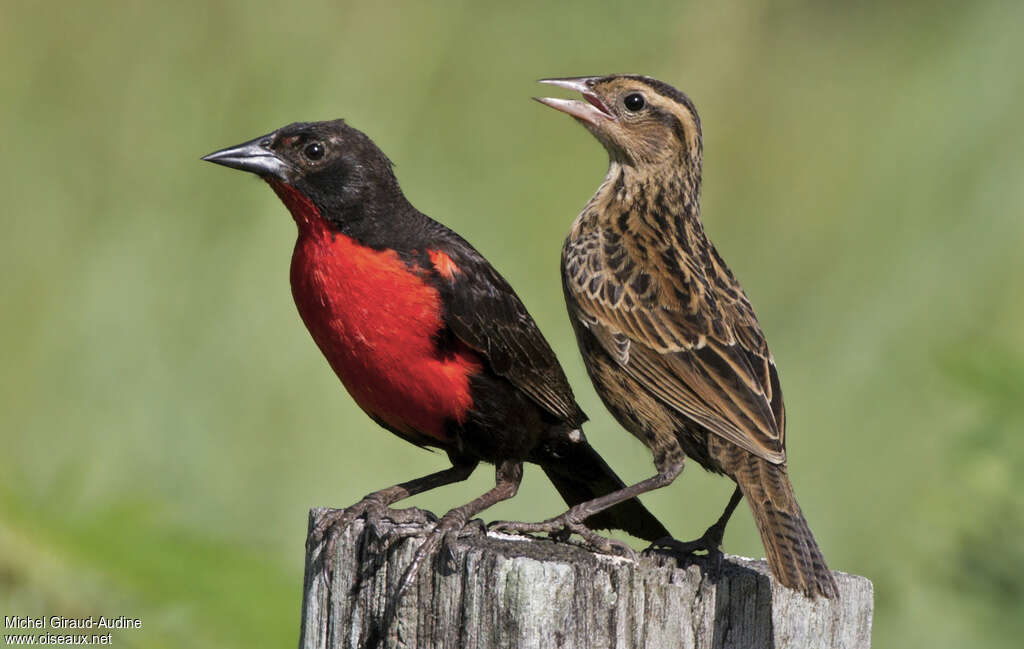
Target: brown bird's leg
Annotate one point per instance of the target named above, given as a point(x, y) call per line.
point(710, 541)
point(507, 477)
point(572, 521)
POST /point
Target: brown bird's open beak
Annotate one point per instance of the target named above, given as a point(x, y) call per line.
point(254, 156)
point(593, 111)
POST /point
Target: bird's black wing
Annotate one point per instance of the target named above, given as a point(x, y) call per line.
point(485, 313)
point(683, 328)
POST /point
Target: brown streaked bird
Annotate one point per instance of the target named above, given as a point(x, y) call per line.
point(668, 336)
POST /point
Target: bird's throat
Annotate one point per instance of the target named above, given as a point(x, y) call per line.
point(664, 196)
point(307, 216)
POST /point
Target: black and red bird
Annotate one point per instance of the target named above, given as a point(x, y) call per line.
point(668, 335)
point(427, 337)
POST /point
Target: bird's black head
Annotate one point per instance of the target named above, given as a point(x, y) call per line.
point(338, 168)
point(640, 121)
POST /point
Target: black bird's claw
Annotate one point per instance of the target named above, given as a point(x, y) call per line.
point(375, 513)
point(448, 546)
point(333, 522)
point(445, 534)
point(561, 528)
point(410, 516)
point(403, 523)
point(327, 530)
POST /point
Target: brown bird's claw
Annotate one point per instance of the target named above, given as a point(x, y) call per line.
point(616, 547)
point(710, 542)
point(561, 528)
point(475, 527)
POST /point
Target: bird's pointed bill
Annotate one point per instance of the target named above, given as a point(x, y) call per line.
point(254, 156)
point(579, 84)
point(592, 111)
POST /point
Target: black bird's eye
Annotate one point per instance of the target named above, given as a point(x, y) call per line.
point(634, 102)
point(314, 150)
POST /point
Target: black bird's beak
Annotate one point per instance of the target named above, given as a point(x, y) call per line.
point(254, 156)
point(593, 111)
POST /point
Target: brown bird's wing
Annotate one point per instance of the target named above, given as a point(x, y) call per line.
point(683, 328)
point(484, 312)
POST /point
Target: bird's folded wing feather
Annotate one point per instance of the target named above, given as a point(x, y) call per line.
point(484, 312)
point(688, 335)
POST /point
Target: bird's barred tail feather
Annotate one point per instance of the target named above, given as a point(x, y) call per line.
point(793, 554)
point(583, 475)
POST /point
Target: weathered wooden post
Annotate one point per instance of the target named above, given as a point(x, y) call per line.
point(515, 593)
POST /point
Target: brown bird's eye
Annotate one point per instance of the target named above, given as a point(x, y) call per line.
point(634, 102)
point(314, 151)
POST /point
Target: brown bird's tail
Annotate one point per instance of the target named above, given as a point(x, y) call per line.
point(793, 555)
point(580, 474)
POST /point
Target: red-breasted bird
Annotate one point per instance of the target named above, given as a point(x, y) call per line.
point(427, 337)
point(667, 334)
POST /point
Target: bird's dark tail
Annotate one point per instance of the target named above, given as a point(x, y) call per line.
point(580, 474)
point(793, 555)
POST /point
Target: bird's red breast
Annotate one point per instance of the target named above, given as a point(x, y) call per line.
point(375, 318)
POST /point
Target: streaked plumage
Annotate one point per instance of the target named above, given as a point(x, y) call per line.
point(669, 338)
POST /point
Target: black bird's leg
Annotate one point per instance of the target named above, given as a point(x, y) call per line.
point(508, 475)
point(710, 541)
point(375, 506)
point(572, 521)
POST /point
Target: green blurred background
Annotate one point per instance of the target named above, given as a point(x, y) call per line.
point(165, 420)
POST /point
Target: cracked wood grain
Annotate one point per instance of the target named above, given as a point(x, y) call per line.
point(512, 593)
